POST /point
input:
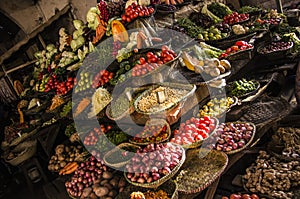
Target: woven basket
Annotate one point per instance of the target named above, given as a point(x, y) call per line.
point(170, 187)
point(120, 164)
point(229, 85)
point(199, 143)
point(153, 122)
point(191, 183)
point(129, 111)
point(163, 179)
point(27, 149)
point(191, 89)
point(248, 143)
point(243, 54)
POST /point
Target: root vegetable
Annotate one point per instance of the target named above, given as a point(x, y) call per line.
point(107, 175)
point(101, 191)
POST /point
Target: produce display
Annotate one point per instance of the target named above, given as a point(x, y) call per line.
point(238, 47)
point(288, 140)
point(93, 179)
point(150, 103)
point(216, 107)
point(56, 102)
point(153, 133)
point(235, 18)
point(272, 177)
point(153, 61)
point(92, 137)
point(242, 196)
point(219, 9)
point(122, 74)
point(121, 154)
point(64, 155)
point(194, 130)
point(154, 162)
point(100, 99)
point(66, 109)
point(102, 78)
point(241, 87)
point(275, 47)
point(249, 9)
point(233, 136)
point(134, 11)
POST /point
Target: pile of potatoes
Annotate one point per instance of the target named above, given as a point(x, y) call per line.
point(65, 154)
point(213, 67)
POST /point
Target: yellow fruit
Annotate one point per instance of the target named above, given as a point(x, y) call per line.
point(189, 61)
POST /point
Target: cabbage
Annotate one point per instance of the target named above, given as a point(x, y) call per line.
point(78, 24)
point(91, 17)
point(38, 54)
point(50, 47)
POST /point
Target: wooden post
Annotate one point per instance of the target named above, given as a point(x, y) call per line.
point(279, 6)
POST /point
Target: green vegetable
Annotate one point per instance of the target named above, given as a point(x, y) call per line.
point(241, 87)
point(91, 17)
point(78, 24)
point(219, 9)
point(210, 14)
point(66, 109)
point(248, 9)
point(70, 130)
point(192, 29)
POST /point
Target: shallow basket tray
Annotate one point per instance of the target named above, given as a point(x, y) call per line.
point(152, 122)
point(191, 170)
point(199, 143)
point(190, 87)
point(159, 182)
point(273, 55)
point(248, 143)
point(245, 94)
point(170, 187)
point(30, 149)
point(120, 164)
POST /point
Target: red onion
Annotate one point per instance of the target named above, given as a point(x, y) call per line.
point(155, 176)
point(141, 180)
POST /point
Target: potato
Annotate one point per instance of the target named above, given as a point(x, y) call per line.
point(109, 186)
point(92, 196)
point(214, 72)
point(113, 193)
point(101, 191)
point(107, 175)
point(226, 64)
point(103, 182)
point(67, 149)
point(86, 192)
point(122, 183)
point(114, 182)
point(61, 158)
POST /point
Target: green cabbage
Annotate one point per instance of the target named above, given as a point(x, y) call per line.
point(78, 24)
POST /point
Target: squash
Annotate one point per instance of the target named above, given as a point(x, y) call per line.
point(118, 31)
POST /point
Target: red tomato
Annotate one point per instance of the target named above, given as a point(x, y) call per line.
point(234, 48)
point(198, 137)
point(149, 55)
point(142, 60)
point(235, 196)
point(240, 43)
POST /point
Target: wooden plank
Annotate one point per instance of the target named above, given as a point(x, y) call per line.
point(16, 47)
point(20, 66)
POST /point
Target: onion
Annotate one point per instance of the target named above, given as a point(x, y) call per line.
point(149, 179)
point(219, 147)
point(133, 179)
point(129, 175)
point(234, 146)
point(228, 148)
point(146, 175)
point(155, 176)
point(247, 136)
point(166, 170)
point(230, 142)
point(154, 170)
point(221, 141)
point(241, 143)
point(158, 164)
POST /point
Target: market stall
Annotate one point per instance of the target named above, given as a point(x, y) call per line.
point(155, 100)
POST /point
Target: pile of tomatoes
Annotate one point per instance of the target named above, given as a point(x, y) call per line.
point(153, 61)
point(238, 46)
point(193, 130)
point(235, 18)
point(102, 78)
point(134, 11)
point(61, 88)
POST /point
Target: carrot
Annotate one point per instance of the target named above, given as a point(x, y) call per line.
point(167, 2)
point(65, 168)
point(71, 170)
point(173, 2)
point(21, 116)
point(82, 105)
point(142, 35)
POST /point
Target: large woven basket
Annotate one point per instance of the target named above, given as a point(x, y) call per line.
point(165, 178)
point(118, 148)
point(190, 178)
point(27, 149)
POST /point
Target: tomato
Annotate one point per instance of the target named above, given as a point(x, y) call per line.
point(149, 55)
point(187, 128)
point(153, 59)
point(240, 43)
point(224, 55)
point(151, 10)
point(246, 196)
point(254, 196)
point(146, 13)
point(128, 19)
point(198, 137)
point(224, 197)
point(164, 48)
point(234, 48)
point(142, 60)
point(124, 18)
point(228, 50)
point(141, 13)
point(235, 196)
point(135, 14)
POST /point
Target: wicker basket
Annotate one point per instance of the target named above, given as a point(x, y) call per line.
point(27, 149)
point(153, 122)
point(273, 55)
point(163, 179)
point(240, 55)
point(191, 89)
point(248, 143)
point(191, 183)
point(229, 87)
point(199, 143)
point(118, 148)
point(170, 187)
point(129, 111)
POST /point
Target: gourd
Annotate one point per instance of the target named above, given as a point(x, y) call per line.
point(118, 31)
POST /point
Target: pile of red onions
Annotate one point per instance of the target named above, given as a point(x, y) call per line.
point(153, 162)
point(232, 136)
point(85, 175)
